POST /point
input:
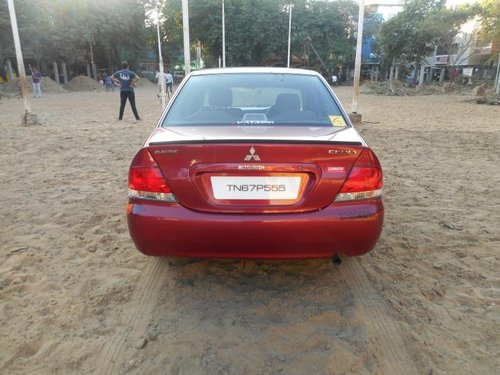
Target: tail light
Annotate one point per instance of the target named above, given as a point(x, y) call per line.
point(364, 180)
point(146, 181)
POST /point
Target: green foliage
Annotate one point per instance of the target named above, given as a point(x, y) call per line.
point(421, 26)
point(257, 30)
point(328, 28)
point(65, 30)
point(490, 19)
point(6, 41)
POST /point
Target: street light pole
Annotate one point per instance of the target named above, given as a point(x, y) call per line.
point(357, 62)
point(290, 6)
point(498, 75)
point(223, 37)
point(28, 117)
point(92, 63)
point(160, 58)
point(185, 29)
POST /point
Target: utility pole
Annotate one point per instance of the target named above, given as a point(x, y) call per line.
point(355, 116)
point(28, 117)
point(92, 63)
point(185, 29)
point(498, 75)
point(223, 37)
point(160, 58)
point(290, 7)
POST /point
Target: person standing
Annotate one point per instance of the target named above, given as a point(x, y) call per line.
point(170, 83)
point(126, 79)
point(108, 82)
point(161, 78)
point(36, 78)
point(334, 79)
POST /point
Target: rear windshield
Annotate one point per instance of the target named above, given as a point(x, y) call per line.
point(250, 99)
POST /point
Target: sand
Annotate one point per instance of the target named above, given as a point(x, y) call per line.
point(77, 298)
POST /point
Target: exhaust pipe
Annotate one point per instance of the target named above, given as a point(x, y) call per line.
point(336, 260)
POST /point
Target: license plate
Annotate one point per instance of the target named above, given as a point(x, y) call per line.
point(255, 188)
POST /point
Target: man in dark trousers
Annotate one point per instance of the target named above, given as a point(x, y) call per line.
point(126, 79)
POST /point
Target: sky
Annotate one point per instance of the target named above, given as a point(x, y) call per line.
point(452, 3)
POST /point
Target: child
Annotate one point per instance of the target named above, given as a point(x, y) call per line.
point(108, 82)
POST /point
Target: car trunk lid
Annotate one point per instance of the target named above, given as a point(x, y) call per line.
point(255, 176)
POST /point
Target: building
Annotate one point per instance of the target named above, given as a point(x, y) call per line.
point(469, 55)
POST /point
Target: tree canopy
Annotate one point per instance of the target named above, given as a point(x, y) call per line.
point(420, 27)
point(66, 30)
point(323, 32)
point(257, 30)
point(490, 17)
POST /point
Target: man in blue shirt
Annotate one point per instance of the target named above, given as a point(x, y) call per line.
point(126, 79)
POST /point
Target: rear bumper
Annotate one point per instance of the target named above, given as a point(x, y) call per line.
point(349, 228)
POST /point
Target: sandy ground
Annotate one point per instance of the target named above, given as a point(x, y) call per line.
point(77, 298)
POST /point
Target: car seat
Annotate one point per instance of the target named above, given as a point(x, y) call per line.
point(284, 103)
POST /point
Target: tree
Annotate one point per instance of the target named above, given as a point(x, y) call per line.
point(327, 28)
point(490, 19)
point(253, 29)
point(257, 30)
point(52, 30)
point(6, 41)
point(419, 28)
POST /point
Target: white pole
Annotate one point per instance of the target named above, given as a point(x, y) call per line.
point(223, 36)
point(498, 74)
point(92, 64)
point(19, 56)
point(198, 55)
point(185, 29)
point(160, 62)
point(289, 33)
point(422, 74)
point(357, 62)
point(91, 58)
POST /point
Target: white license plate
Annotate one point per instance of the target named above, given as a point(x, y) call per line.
point(257, 187)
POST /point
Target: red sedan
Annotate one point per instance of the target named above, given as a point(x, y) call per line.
point(255, 163)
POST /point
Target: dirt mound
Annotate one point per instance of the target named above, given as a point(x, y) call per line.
point(83, 83)
point(144, 82)
point(48, 86)
point(489, 98)
point(3, 95)
point(13, 87)
point(398, 88)
point(433, 89)
point(389, 88)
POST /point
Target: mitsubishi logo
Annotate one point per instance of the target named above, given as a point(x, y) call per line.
point(252, 155)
